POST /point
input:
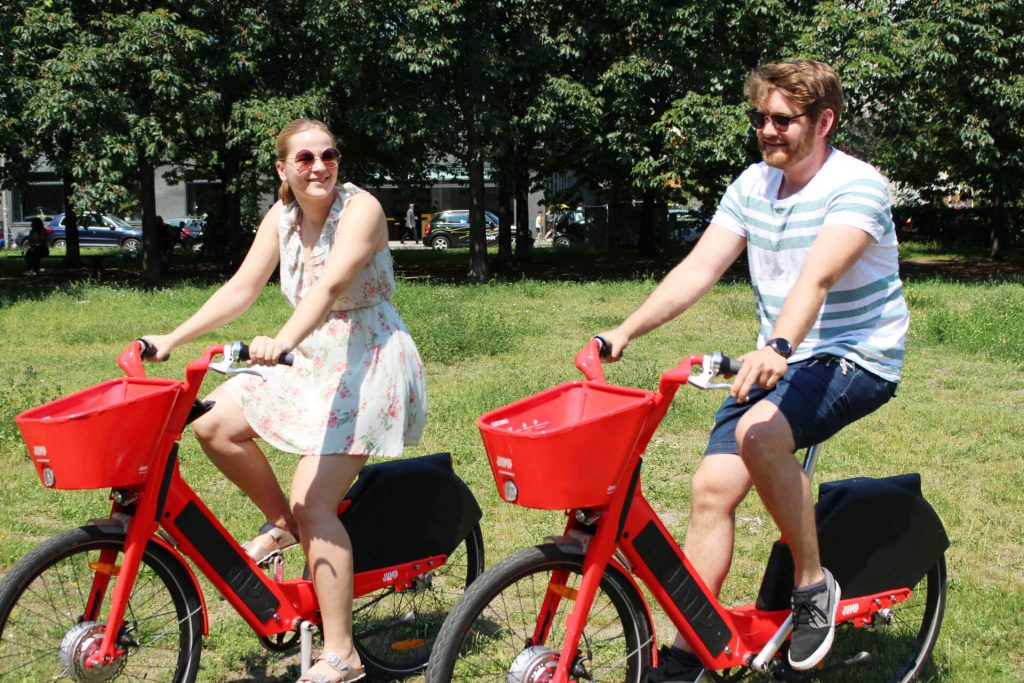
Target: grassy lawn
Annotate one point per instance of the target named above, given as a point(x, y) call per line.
point(958, 418)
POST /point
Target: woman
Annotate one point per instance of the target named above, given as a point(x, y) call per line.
point(357, 386)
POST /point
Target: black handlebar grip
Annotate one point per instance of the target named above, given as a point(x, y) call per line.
point(604, 346)
point(283, 359)
point(148, 350)
point(729, 366)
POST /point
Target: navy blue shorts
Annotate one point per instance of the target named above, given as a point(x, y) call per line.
point(818, 397)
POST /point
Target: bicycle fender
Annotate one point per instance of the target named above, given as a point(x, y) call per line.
point(577, 543)
point(116, 527)
point(874, 535)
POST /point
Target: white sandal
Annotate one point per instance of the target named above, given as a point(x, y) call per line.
point(280, 539)
point(346, 674)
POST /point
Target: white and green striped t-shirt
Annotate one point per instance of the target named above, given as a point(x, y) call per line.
point(865, 317)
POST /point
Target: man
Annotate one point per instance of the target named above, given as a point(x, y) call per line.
point(818, 232)
point(410, 225)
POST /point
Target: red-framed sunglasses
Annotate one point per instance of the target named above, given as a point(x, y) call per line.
point(304, 159)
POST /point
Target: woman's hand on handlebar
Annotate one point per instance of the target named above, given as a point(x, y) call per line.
point(763, 368)
point(618, 343)
point(159, 347)
point(266, 351)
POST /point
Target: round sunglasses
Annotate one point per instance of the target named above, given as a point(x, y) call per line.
point(304, 159)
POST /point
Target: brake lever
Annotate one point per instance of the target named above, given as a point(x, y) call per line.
point(226, 365)
point(710, 366)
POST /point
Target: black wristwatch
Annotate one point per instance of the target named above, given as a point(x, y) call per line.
point(780, 346)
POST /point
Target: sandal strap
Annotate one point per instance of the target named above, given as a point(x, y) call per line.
point(335, 662)
point(338, 664)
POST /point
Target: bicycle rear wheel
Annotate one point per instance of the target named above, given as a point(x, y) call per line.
point(899, 641)
point(395, 631)
point(45, 633)
point(488, 637)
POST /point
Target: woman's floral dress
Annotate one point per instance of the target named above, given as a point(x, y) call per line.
point(357, 385)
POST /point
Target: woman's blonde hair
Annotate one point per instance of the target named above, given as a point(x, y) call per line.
point(281, 146)
point(812, 85)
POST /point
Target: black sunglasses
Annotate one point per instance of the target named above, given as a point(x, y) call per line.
point(304, 159)
point(781, 121)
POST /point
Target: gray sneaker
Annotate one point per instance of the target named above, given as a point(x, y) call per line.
point(814, 622)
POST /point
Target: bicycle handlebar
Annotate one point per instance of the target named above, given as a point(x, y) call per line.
point(241, 351)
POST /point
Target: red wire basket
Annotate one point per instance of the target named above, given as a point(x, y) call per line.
point(565, 447)
point(100, 437)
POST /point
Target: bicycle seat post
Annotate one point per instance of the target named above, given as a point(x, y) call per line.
point(811, 459)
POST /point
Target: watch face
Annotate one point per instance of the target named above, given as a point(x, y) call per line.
point(781, 346)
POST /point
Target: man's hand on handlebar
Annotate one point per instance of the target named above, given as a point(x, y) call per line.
point(763, 368)
point(158, 347)
point(618, 343)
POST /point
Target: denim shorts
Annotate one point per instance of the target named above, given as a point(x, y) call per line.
point(818, 397)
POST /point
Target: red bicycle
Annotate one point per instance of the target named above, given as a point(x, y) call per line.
point(572, 609)
point(116, 598)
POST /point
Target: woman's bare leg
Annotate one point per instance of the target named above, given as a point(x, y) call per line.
point(319, 485)
point(229, 442)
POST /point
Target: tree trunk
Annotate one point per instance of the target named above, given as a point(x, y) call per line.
point(521, 190)
point(504, 220)
point(1000, 234)
point(231, 216)
point(72, 253)
point(153, 238)
point(645, 236)
point(479, 269)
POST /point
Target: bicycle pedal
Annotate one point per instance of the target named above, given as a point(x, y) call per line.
point(785, 673)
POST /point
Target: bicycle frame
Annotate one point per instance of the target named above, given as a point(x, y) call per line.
point(164, 501)
point(631, 536)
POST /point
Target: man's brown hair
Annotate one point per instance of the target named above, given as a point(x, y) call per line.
point(812, 85)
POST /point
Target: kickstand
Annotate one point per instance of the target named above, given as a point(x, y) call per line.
point(306, 646)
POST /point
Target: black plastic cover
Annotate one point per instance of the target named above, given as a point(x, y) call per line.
point(874, 535)
point(409, 509)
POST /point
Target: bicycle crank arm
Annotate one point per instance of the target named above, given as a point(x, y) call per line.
point(784, 673)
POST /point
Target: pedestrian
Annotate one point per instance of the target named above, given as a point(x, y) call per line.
point(538, 224)
point(38, 246)
point(357, 388)
point(817, 230)
point(410, 225)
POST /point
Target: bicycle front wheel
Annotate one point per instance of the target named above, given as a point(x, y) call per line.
point(47, 628)
point(489, 636)
point(395, 631)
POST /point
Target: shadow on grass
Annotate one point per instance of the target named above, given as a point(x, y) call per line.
point(121, 269)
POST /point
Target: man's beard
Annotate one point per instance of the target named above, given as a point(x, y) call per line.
point(791, 152)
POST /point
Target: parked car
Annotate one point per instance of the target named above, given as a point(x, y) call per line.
point(94, 230)
point(190, 231)
point(451, 229)
point(686, 225)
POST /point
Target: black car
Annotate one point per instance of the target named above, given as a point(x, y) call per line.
point(451, 229)
point(189, 230)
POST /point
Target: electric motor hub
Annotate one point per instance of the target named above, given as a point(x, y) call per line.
point(81, 642)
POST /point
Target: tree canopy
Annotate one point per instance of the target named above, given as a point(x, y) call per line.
point(641, 100)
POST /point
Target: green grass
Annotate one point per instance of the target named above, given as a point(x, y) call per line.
point(958, 419)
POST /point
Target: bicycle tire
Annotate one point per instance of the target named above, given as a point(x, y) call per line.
point(899, 646)
point(43, 630)
point(487, 637)
point(394, 632)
